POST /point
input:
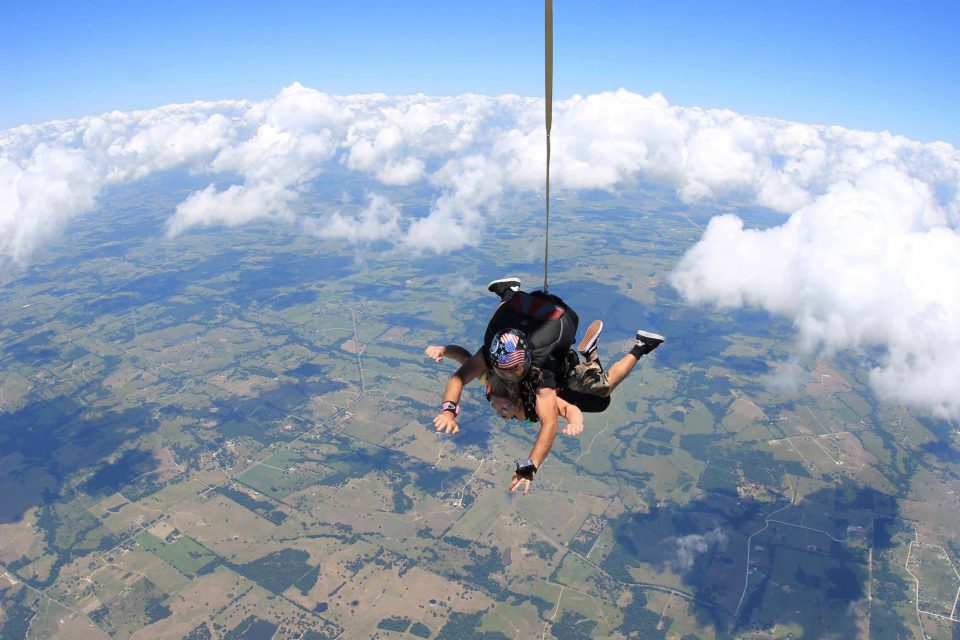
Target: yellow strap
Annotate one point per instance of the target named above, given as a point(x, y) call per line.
point(548, 94)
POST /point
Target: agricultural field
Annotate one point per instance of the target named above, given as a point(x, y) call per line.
point(236, 442)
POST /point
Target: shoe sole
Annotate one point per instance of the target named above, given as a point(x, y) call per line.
point(589, 342)
point(652, 336)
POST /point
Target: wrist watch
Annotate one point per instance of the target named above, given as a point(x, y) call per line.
point(452, 407)
point(526, 468)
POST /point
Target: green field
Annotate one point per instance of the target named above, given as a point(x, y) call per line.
point(187, 555)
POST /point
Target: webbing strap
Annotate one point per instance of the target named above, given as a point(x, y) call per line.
point(548, 94)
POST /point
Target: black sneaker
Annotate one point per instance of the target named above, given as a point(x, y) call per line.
point(588, 346)
point(503, 285)
point(647, 341)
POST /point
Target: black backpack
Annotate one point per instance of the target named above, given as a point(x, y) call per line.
point(548, 322)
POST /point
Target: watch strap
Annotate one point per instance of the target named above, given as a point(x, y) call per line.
point(526, 468)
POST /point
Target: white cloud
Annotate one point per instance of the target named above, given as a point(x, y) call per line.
point(235, 205)
point(293, 136)
point(53, 172)
point(470, 148)
point(690, 546)
point(868, 255)
point(471, 186)
point(379, 220)
point(35, 202)
point(461, 288)
point(871, 262)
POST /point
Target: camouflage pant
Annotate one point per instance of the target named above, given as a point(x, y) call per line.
point(589, 378)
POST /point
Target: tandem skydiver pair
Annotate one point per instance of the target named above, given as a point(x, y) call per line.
point(531, 371)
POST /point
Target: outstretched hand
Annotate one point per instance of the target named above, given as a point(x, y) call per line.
point(435, 353)
point(520, 481)
point(572, 429)
point(446, 422)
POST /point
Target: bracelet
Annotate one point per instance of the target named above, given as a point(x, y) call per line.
point(450, 406)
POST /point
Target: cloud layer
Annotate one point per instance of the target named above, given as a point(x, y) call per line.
point(873, 261)
point(869, 256)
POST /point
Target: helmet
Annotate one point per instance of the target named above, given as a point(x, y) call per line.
point(508, 349)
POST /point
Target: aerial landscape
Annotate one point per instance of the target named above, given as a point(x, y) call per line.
point(245, 245)
point(229, 435)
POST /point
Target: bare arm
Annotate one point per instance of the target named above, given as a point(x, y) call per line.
point(573, 415)
point(470, 370)
point(452, 351)
point(548, 412)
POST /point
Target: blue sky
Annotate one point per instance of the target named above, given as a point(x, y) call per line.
point(876, 65)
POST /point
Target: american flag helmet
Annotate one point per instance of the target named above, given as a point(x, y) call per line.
point(510, 348)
